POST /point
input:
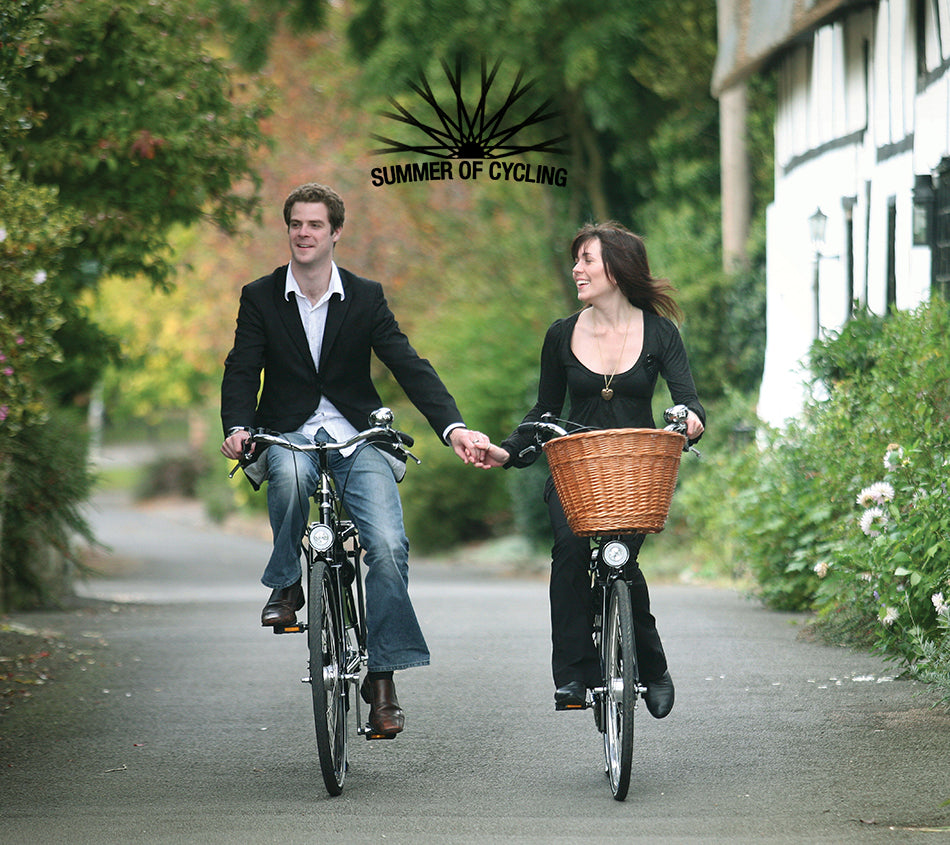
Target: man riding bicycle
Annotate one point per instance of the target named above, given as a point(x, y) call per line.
point(310, 327)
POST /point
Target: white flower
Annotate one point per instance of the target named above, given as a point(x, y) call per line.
point(877, 494)
point(893, 456)
point(39, 277)
point(821, 569)
point(890, 616)
point(872, 521)
point(939, 604)
point(3, 234)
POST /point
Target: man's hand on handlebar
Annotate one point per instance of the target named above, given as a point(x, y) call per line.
point(233, 446)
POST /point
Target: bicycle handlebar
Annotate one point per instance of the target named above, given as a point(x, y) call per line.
point(380, 432)
point(547, 428)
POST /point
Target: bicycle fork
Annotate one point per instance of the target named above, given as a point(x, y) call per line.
point(602, 579)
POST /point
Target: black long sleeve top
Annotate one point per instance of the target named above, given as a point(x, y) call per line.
point(562, 375)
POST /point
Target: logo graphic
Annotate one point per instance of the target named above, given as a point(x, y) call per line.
point(467, 134)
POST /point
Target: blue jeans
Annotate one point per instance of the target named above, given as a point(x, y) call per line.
point(368, 489)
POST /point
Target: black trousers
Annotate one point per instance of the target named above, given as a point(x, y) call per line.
point(574, 657)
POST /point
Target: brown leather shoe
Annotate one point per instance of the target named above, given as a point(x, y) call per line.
point(385, 714)
point(282, 606)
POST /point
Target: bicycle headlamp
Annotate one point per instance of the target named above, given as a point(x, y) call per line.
point(616, 554)
point(320, 537)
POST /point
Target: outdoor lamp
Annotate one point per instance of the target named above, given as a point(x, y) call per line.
point(816, 226)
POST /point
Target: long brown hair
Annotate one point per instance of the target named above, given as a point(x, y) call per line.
point(625, 260)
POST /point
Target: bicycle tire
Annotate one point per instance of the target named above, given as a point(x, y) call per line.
point(620, 676)
point(327, 675)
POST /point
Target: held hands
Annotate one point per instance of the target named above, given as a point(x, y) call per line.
point(468, 445)
point(492, 456)
point(475, 448)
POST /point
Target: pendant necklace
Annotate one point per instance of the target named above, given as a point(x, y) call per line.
point(608, 392)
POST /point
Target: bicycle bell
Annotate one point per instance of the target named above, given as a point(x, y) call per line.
point(381, 417)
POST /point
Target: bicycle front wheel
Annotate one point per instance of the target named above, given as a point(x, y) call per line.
point(620, 676)
point(327, 675)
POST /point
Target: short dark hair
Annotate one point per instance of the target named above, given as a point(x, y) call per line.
point(315, 192)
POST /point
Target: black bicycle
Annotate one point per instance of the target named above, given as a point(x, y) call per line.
point(614, 701)
point(336, 611)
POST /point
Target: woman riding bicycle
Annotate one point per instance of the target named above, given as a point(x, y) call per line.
point(606, 358)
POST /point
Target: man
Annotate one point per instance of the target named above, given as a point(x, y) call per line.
point(311, 326)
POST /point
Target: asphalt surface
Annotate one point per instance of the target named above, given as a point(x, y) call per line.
point(177, 719)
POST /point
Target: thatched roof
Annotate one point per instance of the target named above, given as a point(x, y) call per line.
point(753, 32)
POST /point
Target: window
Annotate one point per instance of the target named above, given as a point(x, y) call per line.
point(940, 263)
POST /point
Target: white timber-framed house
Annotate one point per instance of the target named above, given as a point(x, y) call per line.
point(862, 134)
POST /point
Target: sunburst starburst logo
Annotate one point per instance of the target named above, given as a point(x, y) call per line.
point(462, 136)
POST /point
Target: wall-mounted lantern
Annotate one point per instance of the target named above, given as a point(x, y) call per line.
point(817, 224)
point(923, 209)
point(816, 229)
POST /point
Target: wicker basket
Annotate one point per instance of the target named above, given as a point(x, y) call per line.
point(616, 481)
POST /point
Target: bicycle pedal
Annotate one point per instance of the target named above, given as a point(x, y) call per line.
point(296, 628)
point(568, 706)
point(371, 734)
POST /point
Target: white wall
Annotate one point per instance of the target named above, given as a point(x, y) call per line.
point(844, 129)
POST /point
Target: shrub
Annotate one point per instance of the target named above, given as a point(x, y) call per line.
point(848, 511)
point(893, 563)
point(46, 486)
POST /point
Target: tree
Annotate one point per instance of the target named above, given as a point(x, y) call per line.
point(118, 123)
point(139, 127)
point(579, 56)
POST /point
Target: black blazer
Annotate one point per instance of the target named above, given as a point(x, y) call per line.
point(270, 337)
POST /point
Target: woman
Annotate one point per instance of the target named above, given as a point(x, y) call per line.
point(606, 358)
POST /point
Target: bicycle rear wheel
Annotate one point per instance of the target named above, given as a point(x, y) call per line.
point(327, 671)
point(620, 675)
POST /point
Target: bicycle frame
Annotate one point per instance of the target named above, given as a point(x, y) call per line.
point(336, 608)
point(346, 566)
point(603, 578)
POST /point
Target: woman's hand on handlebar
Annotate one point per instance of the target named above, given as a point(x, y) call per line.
point(694, 426)
point(233, 446)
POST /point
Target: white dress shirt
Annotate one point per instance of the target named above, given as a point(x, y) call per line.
point(314, 319)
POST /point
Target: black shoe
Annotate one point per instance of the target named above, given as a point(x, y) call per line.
point(282, 606)
point(572, 694)
point(659, 696)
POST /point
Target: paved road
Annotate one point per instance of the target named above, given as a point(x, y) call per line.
point(182, 721)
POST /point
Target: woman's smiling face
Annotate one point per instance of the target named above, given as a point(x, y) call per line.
point(590, 274)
